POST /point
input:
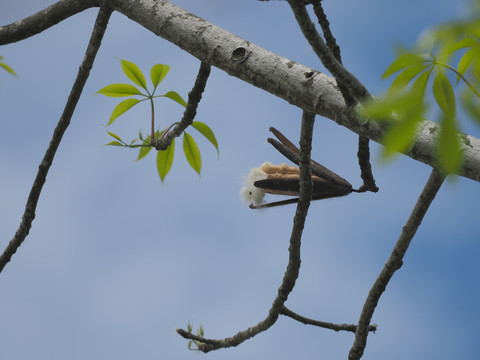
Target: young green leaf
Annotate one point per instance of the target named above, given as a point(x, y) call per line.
point(401, 62)
point(134, 73)
point(388, 107)
point(175, 97)
point(402, 134)
point(119, 90)
point(449, 152)
point(122, 108)
point(407, 75)
point(464, 63)
point(165, 160)
point(115, 143)
point(205, 130)
point(443, 93)
point(144, 150)
point(158, 73)
point(114, 136)
point(420, 85)
point(192, 153)
point(7, 68)
point(461, 44)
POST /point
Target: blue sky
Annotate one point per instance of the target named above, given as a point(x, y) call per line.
point(116, 261)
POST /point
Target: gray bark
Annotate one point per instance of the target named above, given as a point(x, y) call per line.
point(302, 86)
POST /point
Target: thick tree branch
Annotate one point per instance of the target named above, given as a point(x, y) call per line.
point(82, 76)
point(194, 97)
point(297, 84)
point(323, 324)
point(293, 267)
point(394, 262)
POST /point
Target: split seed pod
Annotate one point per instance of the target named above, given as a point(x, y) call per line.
point(285, 180)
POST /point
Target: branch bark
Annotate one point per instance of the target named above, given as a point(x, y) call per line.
point(299, 85)
point(194, 98)
point(323, 324)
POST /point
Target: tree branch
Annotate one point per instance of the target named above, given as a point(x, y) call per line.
point(323, 324)
point(333, 65)
point(82, 76)
point(363, 153)
point(42, 20)
point(394, 262)
point(194, 97)
point(293, 267)
point(299, 85)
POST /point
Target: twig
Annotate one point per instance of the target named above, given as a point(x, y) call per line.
point(363, 155)
point(333, 48)
point(194, 97)
point(293, 266)
point(341, 74)
point(363, 143)
point(77, 88)
point(394, 262)
point(323, 324)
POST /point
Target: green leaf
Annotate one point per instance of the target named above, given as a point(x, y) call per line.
point(158, 73)
point(464, 63)
point(134, 73)
point(443, 93)
point(461, 44)
point(119, 90)
point(390, 107)
point(404, 60)
point(165, 160)
point(122, 108)
point(192, 153)
point(7, 68)
point(115, 143)
point(419, 86)
point(144, 150)
point(402, 79)
point(205, 130)
point(175, 97)
point(449, 151)
point(114, 136)
point(400, 137)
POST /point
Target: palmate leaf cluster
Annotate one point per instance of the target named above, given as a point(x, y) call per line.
point(165, 157)
point(443, 65)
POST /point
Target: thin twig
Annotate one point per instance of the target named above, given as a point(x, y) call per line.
point(82, 76)
point(341, 74)
point(332, 47)
point(293, 266)
point(323, 324)
point(394, 262)
point(194, 97)
point(363, 155)
point(363, 143)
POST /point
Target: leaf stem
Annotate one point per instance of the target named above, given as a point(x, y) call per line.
point(153, 119)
